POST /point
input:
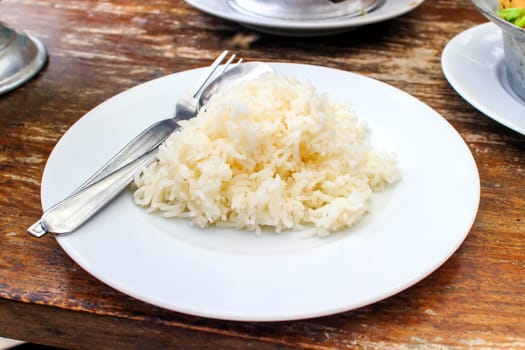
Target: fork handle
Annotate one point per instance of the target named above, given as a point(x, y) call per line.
point(71, 213)
point(149, 139)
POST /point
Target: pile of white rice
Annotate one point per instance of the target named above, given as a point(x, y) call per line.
point(270, 152)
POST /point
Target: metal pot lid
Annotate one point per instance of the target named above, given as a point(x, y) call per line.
point(21, 57)
point(304, 10)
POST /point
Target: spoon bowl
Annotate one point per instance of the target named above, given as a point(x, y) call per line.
point(235, 75)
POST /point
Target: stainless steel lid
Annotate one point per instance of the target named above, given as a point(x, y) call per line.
point(304, 10)
point(21, 57)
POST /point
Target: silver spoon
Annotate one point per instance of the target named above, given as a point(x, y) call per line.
point(72, 212)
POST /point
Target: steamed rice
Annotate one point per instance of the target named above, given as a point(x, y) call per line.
point(270, 152)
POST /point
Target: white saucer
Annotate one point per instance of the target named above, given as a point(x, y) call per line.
point(473, 64)
point(389, 9)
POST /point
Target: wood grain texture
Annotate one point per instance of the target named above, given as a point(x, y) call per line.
point(476, 300)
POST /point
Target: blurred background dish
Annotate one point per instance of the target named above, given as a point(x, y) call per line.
point(304, 10)
point(380, 11)
point(473, 63)
point(513, 45)
point(21, 57)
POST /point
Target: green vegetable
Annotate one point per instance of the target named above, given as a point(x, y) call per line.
point(521, 22)
point(515, 15)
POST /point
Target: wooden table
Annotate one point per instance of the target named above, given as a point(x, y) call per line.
point(99, 48)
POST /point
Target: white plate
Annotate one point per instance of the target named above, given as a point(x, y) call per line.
point(390, 9)
point(412, 228)
point(473, 65)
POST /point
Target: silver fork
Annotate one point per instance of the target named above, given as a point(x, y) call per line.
point(137, 153)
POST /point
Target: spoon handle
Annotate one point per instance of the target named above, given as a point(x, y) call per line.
point(146, 141)
point(75, 210)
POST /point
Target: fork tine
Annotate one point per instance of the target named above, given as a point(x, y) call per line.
point(226, 65)
point(211, 71)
